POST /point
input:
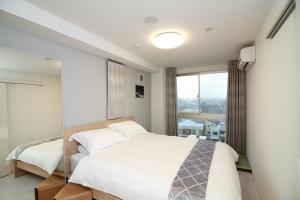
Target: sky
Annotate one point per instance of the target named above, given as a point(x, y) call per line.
point(211, 86)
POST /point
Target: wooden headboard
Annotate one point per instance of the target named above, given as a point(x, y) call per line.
point(70, 147)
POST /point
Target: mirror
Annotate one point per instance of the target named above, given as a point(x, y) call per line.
point(31, 127)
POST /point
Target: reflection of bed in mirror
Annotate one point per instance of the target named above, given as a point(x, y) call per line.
point(43, 158)
point(31, 114)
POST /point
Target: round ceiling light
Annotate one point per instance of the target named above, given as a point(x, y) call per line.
point(168, 40)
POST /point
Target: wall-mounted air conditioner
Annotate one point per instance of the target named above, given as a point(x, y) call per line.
point(247, 58)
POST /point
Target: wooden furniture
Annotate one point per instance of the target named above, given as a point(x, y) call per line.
point(74, 192)
point(70, 148)
point(22, 168)
point(49, 187)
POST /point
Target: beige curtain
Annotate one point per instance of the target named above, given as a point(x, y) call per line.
point(236, 108)
point(115, 90)
point(171, 101)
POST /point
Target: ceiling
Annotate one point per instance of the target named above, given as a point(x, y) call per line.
point(235, 22)
point(19, 61)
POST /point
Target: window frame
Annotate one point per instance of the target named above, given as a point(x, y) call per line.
point(199, 114)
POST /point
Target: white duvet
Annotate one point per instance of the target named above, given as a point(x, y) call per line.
point(46, 156)
point(143, 168)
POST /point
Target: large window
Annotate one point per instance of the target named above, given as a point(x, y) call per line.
point(187, 94)
point(201, 105)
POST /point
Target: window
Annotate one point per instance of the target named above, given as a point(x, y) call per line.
point(201, 105)
point(187, 93)
point(213, 91)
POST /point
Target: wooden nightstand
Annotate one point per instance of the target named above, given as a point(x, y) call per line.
point(49, 187)
point(74, 192)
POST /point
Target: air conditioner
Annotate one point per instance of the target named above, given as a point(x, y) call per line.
point(247, 58)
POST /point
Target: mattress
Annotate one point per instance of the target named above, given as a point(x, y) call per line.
point(75, 160)
point(144, 167)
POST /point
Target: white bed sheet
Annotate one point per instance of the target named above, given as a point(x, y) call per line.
point(75, 158)
point(223, 179)
point(46, 156)
point(144, 167)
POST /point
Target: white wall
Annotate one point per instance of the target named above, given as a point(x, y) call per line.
point(138, 107)
point(83, 78)
point(272, 110)
point(158, 103)
point(204, 68)
point(298, 55)
point(4, 142)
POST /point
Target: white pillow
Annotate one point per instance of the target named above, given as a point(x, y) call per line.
point(82, 150)
point(98, 139)
point(128, 128)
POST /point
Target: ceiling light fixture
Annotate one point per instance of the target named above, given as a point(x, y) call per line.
point(168, 40)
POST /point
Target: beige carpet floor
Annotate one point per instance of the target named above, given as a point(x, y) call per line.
point(22, 188)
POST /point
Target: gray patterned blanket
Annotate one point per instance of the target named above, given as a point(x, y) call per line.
point(191, 180)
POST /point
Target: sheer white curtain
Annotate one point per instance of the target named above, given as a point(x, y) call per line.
point(115, 90)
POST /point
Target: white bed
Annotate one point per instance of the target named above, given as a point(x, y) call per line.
point(143, 168)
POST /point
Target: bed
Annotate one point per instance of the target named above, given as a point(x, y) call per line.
point(151, 167)
point(43, 158)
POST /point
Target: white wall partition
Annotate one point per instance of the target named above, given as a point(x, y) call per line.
point(273, 110)
point(4, 140)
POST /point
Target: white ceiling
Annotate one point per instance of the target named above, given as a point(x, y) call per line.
point(19, 61)
point(236, 24)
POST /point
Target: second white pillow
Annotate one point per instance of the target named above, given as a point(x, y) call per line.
point(98, 139)
point(128, 128)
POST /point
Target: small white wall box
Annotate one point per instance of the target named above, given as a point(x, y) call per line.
point(247, 58)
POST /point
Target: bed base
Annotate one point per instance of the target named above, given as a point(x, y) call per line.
point(22, 168)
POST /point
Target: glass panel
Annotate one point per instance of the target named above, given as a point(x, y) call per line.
point(213, 93)
point(187, 93)
point(212, 129)
point(30, 104)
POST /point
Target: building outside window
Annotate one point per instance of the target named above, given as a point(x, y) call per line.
point(201, 105)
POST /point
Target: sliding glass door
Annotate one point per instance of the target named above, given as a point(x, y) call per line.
point(201, 105)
